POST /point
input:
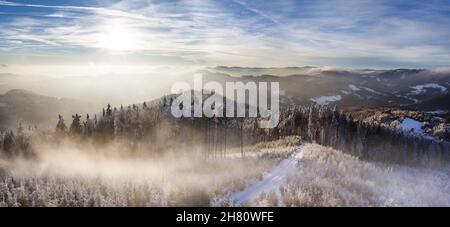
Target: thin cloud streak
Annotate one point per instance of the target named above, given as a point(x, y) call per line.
point(97, 10)
point(238, 32)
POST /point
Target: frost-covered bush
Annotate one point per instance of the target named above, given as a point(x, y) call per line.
point(327, 177)
point(77, 178)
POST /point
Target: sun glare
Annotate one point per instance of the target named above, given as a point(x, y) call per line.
point(118, 37)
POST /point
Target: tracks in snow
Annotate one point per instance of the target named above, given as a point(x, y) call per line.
point(272, 181)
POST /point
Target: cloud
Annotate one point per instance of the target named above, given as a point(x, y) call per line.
point(97, 10)
point(340, 33)
point(256, 11)
point(58, 15)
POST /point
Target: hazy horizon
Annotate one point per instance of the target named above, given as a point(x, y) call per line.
point(94, 37)
point(80, 49)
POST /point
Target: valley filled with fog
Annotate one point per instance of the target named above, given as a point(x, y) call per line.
point(141, 155)
point(224, 103)
point(320, 177)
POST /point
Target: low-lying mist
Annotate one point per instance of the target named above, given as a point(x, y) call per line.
point(71, 174)
point(74, 174)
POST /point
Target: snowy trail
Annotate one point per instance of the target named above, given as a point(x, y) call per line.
point(270, 182)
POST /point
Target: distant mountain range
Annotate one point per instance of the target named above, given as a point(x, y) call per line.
point(411, 88)
point(21, 106)
point(421, 89)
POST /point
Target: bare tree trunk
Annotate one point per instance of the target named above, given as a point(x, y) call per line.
point(242, 137)
point(215, 139)
point(208, 143)
point(225, 142)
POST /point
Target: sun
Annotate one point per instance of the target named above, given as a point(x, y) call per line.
point(118, 37)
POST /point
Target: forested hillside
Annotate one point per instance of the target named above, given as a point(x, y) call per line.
point(149, 128)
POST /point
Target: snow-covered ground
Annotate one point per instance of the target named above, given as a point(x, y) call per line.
point(319, 176)
point(438, 112)
point(412, 126)
point(271, 182)
point(345, 92)
point(373, 91)
point(329, 177)
point(421, 89)
point(353, 87)
point(325, 100)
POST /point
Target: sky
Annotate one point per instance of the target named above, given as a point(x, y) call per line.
point(47, 36)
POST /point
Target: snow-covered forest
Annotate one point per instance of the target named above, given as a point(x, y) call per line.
point(140, 155)
point(150, 128)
